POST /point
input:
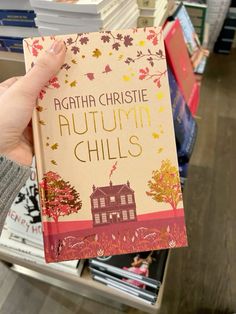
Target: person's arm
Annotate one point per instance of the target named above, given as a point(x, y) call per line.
point(17, 100)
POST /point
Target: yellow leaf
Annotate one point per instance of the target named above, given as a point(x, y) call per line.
point(54, 162)
point(141, 43)
point(155, 135)
point(66, 81)
point(97, 53)
point(160, 95)
point(110, 53)
point(121, 57)
point(54, 146)
point(159, 150)
point(73, 84)
point(39, 108)
point(161, 109)
point(126, 78)
point(132, 74)
point(42, 122)
point(74, 61)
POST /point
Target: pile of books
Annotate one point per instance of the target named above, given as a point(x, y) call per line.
point(153, 12)
point(22, 233)
point(138, 275)
point(16, 23)
point(63, 17)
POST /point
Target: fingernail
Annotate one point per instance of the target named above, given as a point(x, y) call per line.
point(56, 47)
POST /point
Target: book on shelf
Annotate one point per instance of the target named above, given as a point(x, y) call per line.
point(180, 64)
point(138, 274)
point(17, 18)
point(11, 44)
point(115, 15)
point(104, 118)
point(184, 123)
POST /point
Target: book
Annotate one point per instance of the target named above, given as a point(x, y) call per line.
point(144, 270)
point(104, 118)
point(17, 18)
point(13, 44)
point(184, 124)
point(180, 64)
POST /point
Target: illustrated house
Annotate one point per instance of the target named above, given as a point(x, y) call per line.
point(113, 204)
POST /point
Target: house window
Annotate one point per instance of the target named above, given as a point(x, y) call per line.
point(95, 203)
point(131, 214)
point(102, 202)
point(104, 217)
point(122, 200)
point(130, 198)
point(124, 214)
point(112, 199)
point(97, 218)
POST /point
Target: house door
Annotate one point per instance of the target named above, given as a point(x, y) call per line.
point(115, 217)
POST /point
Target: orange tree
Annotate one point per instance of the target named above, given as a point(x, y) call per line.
point(164, 185)
point(59, 198)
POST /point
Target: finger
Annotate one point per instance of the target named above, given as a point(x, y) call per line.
point(45, 67)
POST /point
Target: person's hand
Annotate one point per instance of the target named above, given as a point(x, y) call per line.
point(17, 100)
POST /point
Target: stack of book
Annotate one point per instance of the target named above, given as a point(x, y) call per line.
point(22, 233)
point(138, 275)
point(66, 17)
point(16, 22)
point(153, 12)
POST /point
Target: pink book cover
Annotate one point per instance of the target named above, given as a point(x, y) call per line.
point(105, 147)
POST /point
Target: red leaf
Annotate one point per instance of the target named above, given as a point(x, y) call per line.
point(107, 69)
point(34, 52)
point(142, 76)
point(35, 41)
point(155, 41)
point(56, 85)
point(40, 47)
point(90, 76)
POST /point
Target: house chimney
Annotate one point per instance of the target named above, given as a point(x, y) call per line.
point(94, 188)
point(110, 183)
point(128, 183)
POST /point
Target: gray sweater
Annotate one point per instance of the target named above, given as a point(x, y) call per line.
point(12, 177)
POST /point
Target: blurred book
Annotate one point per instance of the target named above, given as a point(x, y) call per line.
point(138, 274)
point(180, 63)
point(24, 18)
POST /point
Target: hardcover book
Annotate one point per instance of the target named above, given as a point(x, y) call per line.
point(105, 147)
point(180, 63)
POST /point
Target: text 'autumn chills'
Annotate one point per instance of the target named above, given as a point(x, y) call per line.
point(128, 111)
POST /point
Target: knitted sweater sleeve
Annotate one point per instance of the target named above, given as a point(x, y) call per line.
point(12, 178)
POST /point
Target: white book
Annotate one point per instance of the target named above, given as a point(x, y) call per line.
point(15, 5)
point(24, 218)
point(18, 31)
point(83, 6)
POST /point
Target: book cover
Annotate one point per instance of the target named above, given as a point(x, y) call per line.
point(180, 64)
point(105, 147)
point(184, 124)
point(17, 18)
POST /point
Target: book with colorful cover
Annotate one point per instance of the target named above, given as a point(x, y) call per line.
point(180, 64)
point(105, 147)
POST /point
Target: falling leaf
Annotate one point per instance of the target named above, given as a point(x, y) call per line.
point(54, 146)
point(97, 53)
point(47, 138)
point(161, 109)
point(66, 75)
point(54, 162)
point(160, 150)
point(74, 61)
point(66, 81)
point(126, 78)
point(90, 76)
point(107, 69)
point(121, 57)
point(110, 53)
point(141, 43)
point(83, 56)
point(73, 84)
point(47, 144)
point(155, 135)
point(160, 95)
point(132, 74)
point(39, 108)
point(42, 122)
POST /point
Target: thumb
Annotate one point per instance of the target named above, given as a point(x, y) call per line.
point(46, 66)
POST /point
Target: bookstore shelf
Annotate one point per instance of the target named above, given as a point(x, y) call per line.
point(11, 56)
point(84, 285)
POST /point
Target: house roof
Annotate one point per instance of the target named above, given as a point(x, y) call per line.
point(114, 189)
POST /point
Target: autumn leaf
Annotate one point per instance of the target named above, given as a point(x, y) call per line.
point(54, 162)
point(66, 81)
point(47, 144)
point(39, 108)
point(74, 61)
point(73, 84)
point(90, 76)
point(126, 78)
point(97, 53)
point(107, 69)
point(42, 122)
point(155, 135)
point(105, 38)
point(160, 150)
point(161, 109)
point(54, 146)
point(75, 50)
